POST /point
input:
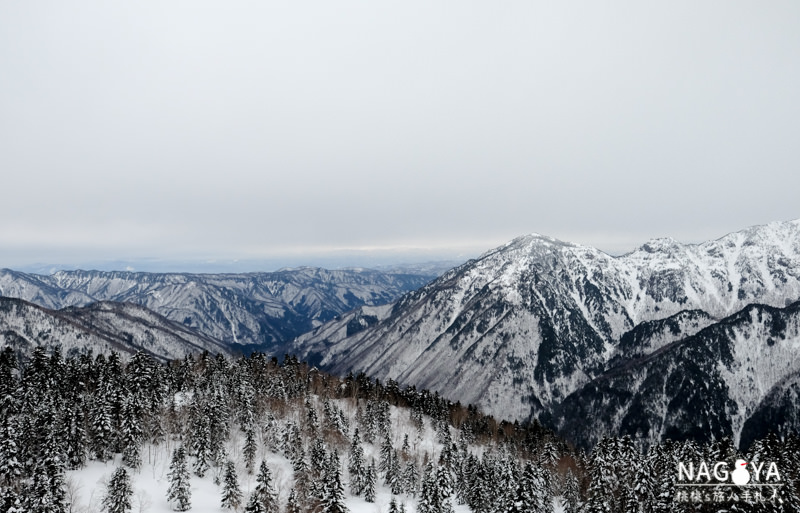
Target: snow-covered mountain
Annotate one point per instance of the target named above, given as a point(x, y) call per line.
point(260, 310)
point(102, 327)
point(723, 381)
point(519, 329)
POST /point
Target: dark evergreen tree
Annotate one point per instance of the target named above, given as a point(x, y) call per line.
point(385, 458)
point(44, 491)
point(263, 498)
point(531, 494)
point(130, 426)
point(250, 448)
point(179, 492)
point(200, 440)
point(10, 465)
point(393, 505)
point(302, 478)
point(118, 493)
point(411, 478)
point(394, 478)
point(101, 429)
point(332, 499)
point(293, 503)
point(356, 466)
point(430, 497)
point(231, 494)
point(369, 484)
point(571, 493)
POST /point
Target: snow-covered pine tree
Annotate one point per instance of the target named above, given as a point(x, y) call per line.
point(531, 494)
point(430, 498)
point(263, 498)
point(292, 503)
point(369, 483)
point(45, 491)
point(118, 492)
point(444, 487)
point(74, 430)
point(318, 457)
point(101, 431)
point(231, 494)
point(200, 439)
point(405, 450)
point(355, 465)
point(10, 501)
point(571, 493)
point(385, 458)
point(131, 433)
point(332, 500)
point(179, 492)
point(10, 466)
point(394, 478)
point(411, 478)
point(302, 478)
point(393, 505)
point(250, 448)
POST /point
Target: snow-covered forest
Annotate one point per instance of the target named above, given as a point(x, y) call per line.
point(101, 433)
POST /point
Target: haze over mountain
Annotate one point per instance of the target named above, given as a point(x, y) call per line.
point(521, 328)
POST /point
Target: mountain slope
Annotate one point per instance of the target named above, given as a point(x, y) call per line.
point(101, 327)
point(522, 327)
point(704, 387)
point(257, 309)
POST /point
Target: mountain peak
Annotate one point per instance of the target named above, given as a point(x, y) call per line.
point(661, 245)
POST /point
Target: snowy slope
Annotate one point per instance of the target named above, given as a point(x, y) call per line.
point(703, 387)
point(525, 325)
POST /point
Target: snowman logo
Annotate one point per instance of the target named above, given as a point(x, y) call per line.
point(740, 475)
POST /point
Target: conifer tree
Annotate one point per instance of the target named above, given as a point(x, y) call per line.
point(394, 479)
point(10, 466)
point(531, 494)
point(332, 500)
point(385, 459)
point(302, 477)
point(393, 506)
point(444, 490)
point(118, 493)
point(101, 426)
point(73, 429)
point(430, 498)
point(411, 478)
point(263, 498)
point(179, 491)
point(571, 493)
point(369, 484)
point(231, 494)
point(131, 435)
point(356, 465)
point(250, 448)
point(201, 442)
point(292, 503)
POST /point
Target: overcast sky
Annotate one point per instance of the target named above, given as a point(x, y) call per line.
point(199, 130)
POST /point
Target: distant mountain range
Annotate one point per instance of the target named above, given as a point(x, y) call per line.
point(102, 327)
point(245, 311)
point(670, 340)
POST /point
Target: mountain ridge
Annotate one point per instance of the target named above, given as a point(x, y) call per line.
point(525, 325)
point(253, 310)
